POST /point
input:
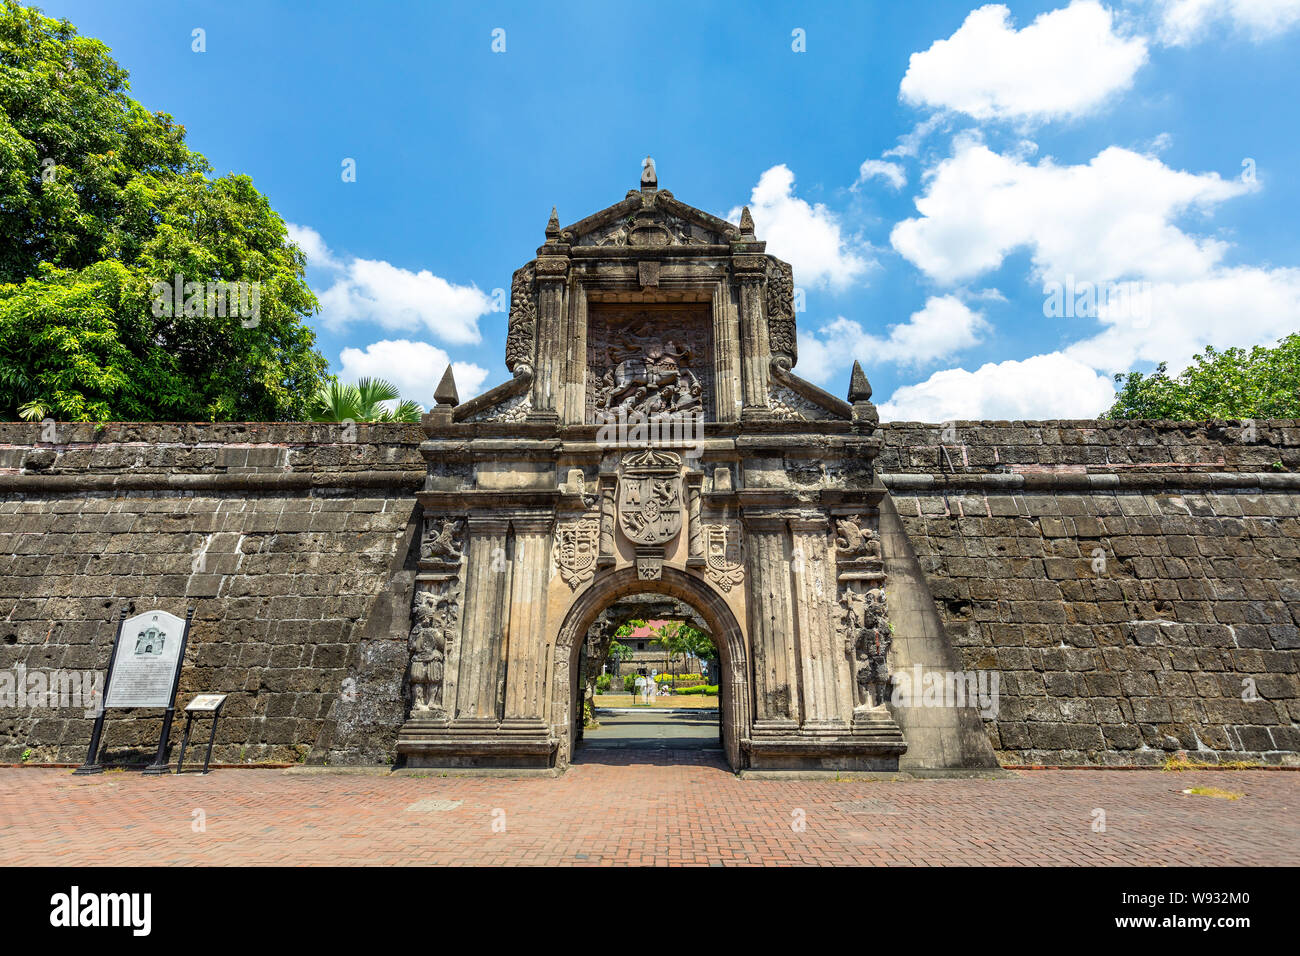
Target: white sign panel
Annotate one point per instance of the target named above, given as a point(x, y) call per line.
point(148, 655)
point(205, 703)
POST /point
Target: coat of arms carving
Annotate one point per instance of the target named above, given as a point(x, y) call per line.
point(724, 561)
point(650, 506)
point(576, 550)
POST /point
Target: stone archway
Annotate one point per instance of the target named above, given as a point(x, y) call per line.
point(654, 437)
point(605, 589)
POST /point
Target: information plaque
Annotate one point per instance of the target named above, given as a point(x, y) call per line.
point(148, 656)
point(144, 670)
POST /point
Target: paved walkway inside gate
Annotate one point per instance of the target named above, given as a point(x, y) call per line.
point(646, 729)
point(646, 807)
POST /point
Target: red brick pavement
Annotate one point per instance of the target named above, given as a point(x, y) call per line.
point(643, 808)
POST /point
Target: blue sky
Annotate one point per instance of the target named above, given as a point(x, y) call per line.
point(934, 172)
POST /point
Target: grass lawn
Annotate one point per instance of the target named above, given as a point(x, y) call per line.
point(680, 700)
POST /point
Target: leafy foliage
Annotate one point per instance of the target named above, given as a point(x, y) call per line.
point(362, 402)
point(681, 639)
point(99, 200)
point(1234, 383)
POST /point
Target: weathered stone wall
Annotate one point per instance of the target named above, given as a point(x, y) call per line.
point(292, 543)
point(1131, 583)
point(295, 546)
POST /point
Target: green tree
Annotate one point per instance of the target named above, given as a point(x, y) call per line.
point(362, 402)
point(1234, 383)
point(679, 638)
point(100, 202)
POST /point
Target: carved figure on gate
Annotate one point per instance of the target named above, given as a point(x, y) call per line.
point(441, 545)
point(867, 638)
point(853, 539)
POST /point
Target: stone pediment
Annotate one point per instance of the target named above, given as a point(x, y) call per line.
point(650, 307)
point(647, 219)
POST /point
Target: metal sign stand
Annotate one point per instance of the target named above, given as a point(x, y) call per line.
point(159, 764)
point(203, 704)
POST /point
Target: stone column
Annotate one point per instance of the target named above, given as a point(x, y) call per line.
point(552, 270)
point(754, 353)
point(695, 530)
point(525, 644)
point(771, 625)
point(726, 356)
point(482, 652)
point(608, 484)
point(821, 651)
point(573, 369)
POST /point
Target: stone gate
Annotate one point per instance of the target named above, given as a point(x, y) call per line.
point(654, 438)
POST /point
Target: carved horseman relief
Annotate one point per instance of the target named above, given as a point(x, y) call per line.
point(650, 506)
point(642, 365)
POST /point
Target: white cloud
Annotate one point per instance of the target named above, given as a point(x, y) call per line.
point(313, 246)
point(1064, 64)
point(1044, 386)
point(414, 367)
point(1242, 306)
point(945, 326)
point(808, 236)
point(1184, 22)
point(891, 173)
point(909, 144)
point(394, 298)
point(1109, 219)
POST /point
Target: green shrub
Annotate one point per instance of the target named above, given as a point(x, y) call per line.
point(629, 683)
point(706, 690)
point(602, 683)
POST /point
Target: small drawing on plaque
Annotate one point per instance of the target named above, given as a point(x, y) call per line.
point(150, 641)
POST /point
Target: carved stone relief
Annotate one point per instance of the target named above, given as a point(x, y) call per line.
point(435, 612)
point(780, 309)
point(434, 621)
point(867, 639)
point(650, 506)
point(522, 329)
point(854, 539)
point(640, 367)
point(724, 554)
point(642, 229)
point(441, 540)
point(788, 405)
point(510, 412)
point(576, 549)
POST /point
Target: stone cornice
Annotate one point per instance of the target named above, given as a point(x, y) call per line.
point(1006, 483)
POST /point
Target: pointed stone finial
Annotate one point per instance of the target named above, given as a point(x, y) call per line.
point(553, 225)
point(859, 387)
point(746, 223)
point(649, 178)
point(445, 393)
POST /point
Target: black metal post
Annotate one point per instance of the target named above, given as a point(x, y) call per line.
point(185, 741)
point(92, 764)
point(211, 739)
point(160, 764)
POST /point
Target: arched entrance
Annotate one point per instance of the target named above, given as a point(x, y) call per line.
point(734, 690)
